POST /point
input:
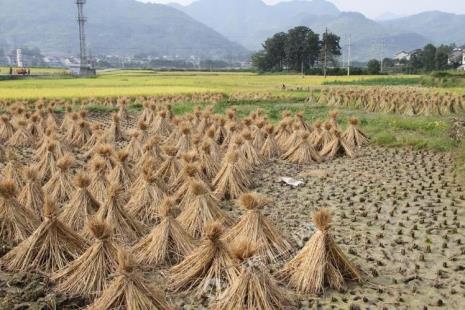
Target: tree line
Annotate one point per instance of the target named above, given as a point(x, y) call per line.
point(300, 49)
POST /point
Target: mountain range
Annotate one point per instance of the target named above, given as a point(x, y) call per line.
point(218, 29)
point(114, 27)
point(250, 22)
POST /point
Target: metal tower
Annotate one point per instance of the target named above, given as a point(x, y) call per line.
point(84, 68)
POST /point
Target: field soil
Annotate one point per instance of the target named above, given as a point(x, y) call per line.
point(397, 213)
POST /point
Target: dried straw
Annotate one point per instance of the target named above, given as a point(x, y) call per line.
point(321, 263)
point(353, 135)
point(59, 187)
point(231, 180)
point(49, 248)
point(31, 195)
point(167, 244)
point(209, 266)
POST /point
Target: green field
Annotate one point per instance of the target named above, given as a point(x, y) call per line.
point(139, 82)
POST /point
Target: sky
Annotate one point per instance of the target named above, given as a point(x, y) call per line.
point(375, 8)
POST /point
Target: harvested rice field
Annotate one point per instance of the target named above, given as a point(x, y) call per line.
point(152, 209)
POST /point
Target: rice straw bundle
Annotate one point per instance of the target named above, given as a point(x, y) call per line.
point(170, 168)
point(167, 244)
point(316, 133)
point(299, 119)
point(6, 128)
point(254, 288)
point(114, 133)
point(325, 137)
point(82, 134)
point(249, 151)
point(337, 146)
point(95, 139)
point(126, 228)
point(184, 143)
point(321, 263)
point(59, 187)
point(134, 147)
point(121, 172)
point(98, 180)
point(270, 148)
point(258, 135)
point(81, 206)
point(294, 138)
point(16, 222)
point(302, 153)
point(353, 135)
point(50, 120)
point(105, 152)
point(88, 275)
point(201, 209)
point(181, 188)
point(31, 195)
point(47, 166)
point(145, 199)
point(209, 162)
point(283, 133)
point(34, 127)
point(21, 137)
point(254, 226)
point(49, 248)
point(221, 132)
point(128, 290)
point(231, 180)
point(161, 124)
point(210, 265)
point(13, 169)
point(333, 119)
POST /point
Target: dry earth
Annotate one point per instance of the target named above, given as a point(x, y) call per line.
point(397, 214)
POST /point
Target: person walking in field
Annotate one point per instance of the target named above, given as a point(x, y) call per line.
point(11, 71)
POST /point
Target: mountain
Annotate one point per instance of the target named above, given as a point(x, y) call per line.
point(116, 27)
point(388, 16)
point(439, 27)
point(248, 22)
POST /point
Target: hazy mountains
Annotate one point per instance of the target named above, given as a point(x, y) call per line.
point(115, 27)
point(249, 22)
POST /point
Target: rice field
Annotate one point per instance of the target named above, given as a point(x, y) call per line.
point(149, 190)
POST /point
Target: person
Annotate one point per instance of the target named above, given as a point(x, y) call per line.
point(283, 87)
point(28, 71)
point(11, 71)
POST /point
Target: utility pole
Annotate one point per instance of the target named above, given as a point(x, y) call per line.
point(349, 55)
point(382, 53)
point(84, 67)
point(326, 51)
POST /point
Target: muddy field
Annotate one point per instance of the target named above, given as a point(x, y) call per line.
point(397, 215)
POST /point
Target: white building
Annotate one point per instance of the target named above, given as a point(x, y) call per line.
point(403, 55)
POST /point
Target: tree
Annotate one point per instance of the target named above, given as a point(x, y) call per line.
point(374, 66)
point(275, 48)
point(429, 55)
point(441, 58)
point(302, 48)
point(330, 48)
point(261, 62)
point(388, 63)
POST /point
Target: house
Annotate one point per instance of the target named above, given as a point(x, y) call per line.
point(457, 58)
point(403, 55)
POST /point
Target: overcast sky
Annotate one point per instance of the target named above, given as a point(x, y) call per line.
point(374, 8)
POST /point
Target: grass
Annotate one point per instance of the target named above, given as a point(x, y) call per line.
point(381, 81)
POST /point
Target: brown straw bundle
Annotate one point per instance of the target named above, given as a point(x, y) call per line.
point(145, 198)
point(122, 173)
point(128, 290)
point(16, 222)
point(59, 187)
point(321, 263)
point(353, 135)
point(170, 168)
point(167, 244)
point(13, 169)
point(126, 228)
point(49, 248)
point(270, 148)
point(31, 195)
point(81, 206)
point(249, 151)
point(134, 147)
point(209, 265)
point(114, 133)
point(6, 128)
point(337, 147)
point(21, 137)
point(200, 210)
point(255, 227)
point(302, 153)
point(231, 181)
point(254, 288)
point(88, 275)
point(98, 180)
point(47, 164)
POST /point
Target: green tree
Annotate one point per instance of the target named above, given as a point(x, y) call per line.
point(374, 66)
point(388, 63)
point(330, 48)
point(441, 58)
point(429, 57)
point(302, 48)
point(261, 62)
point(275, 48)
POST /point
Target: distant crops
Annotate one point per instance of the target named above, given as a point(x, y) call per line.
point(143, 82)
